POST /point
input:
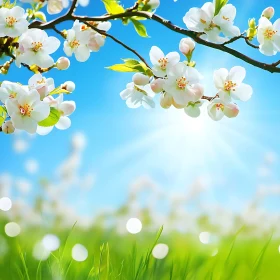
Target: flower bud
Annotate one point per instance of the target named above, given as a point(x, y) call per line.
point(153, 4)
point(8, 127)
point(140, 79)
point(268, 12)
point(166, 101)
point(186, 46)
point(157, 85)
point(63, 63)
point(69, 86)
point(231, 110)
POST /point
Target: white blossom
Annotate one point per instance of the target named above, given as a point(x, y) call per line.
point(136, 96)
point(217, 109)
point(162, 63)
point(77, 42)
point(9, 90)
point(35, 47)
point(230, 86)
point(269, 36)
point(204, 20)
point(183, 84)
point(13, 21)
point(43, 85)
point(27, 110)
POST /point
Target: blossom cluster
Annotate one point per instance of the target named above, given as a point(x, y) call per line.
point(33, 108)
point(178, 82)
point(180, 85)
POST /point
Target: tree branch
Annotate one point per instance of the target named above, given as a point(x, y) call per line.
point(117, 41)
point(194, 35)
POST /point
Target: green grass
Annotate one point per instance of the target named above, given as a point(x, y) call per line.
point(129, 257)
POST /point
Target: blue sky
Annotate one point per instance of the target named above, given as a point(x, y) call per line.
point(166, 145)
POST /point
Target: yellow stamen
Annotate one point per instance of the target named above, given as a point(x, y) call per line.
point(10, 21)
point(163, 62)
point(182, 83)
point(25, 110)
point(36, 46)
point(229, 85)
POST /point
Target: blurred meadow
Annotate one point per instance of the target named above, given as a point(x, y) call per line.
point(46, 234)
point(145, 194)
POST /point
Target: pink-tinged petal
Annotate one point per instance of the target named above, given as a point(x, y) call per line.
point(44, 130)
point(220, 77)
point(63, 123)
point(67, 107)
point(196, 92)
point(237, 74)
point(41, 111)
point(231, 110)
point(156, 54)
point(243, 92)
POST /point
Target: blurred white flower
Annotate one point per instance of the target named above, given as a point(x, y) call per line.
point(12, 229)
point(134, 225)
point(31, 166)
point(79, 253)
point(160, 251)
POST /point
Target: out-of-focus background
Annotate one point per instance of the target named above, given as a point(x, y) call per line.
point(127, 172)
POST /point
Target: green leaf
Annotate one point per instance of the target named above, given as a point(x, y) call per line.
point(140, 28)
point(52, 119)
point(3, 115)
point(41, 16)
point(59, 90)
point(121, 68)
point(219, 4)
point(113, 7)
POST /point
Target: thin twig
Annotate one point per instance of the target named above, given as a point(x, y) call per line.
point(117, 41)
